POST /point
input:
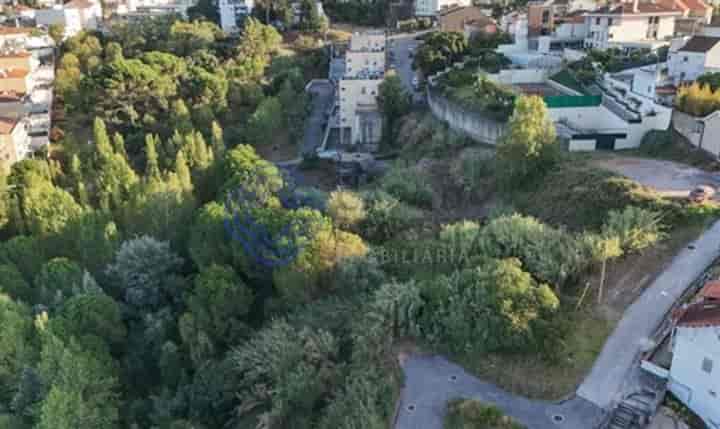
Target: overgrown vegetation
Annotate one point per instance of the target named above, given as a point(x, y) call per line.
point(697, 99)
point(473, 414)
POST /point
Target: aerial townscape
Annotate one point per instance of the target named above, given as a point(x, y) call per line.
point(360, 214)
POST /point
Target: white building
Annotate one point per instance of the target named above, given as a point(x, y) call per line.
point(695, 370)
point(697, 56)
point(358, 117)
point(430, 8)
point(631, 26)
point(74, 16)
point(14, 141)
point(232, 13)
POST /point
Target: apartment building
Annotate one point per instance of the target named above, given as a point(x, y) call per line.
point(74, 16)
point(232, 13)
point(631, 25)
point(14, 142)
point(358, 117)
point(430, 8)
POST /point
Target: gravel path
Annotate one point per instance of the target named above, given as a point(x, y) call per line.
point(430, 381)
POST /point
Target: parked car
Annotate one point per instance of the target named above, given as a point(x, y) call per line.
point(701, 194)
point(415, 82)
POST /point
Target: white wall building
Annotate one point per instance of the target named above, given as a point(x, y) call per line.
point(74, 16)
point(699, 55)
point(695, 370)
point(358, 117)
point(630, 26)
point(430, 8)
point(232, 13)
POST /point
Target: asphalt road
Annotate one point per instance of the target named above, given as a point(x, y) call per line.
point(670, 179)
point(431, 381)
point(322, 97)
point(400, 46)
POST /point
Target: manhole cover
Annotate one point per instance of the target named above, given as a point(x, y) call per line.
point(411, 407)
point(558, 418)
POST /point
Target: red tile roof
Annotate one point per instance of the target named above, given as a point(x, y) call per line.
point(79, 4)
point(6, 31)
point(711, 290)
point(700, 315)
point(7, 124)
point(13, 73)
point(22, 54)
point(628, 9)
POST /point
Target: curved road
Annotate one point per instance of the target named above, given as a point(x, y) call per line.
point(430, 381)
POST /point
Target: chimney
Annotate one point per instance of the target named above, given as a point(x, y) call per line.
point(635, 6)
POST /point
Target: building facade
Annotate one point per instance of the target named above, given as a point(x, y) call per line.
point(233, 12)
point(541, 18)
point(430, 8)
point(629, 26)
point(695, 370)
point(357, 90)
point(699, 55)
point(14, 142)
point(74, 16)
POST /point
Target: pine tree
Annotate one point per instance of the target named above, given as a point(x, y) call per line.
point(78, 183)
point(119, 145)
point(152, 169)
point(102, 141)
point(183, 172)
point(218, 141)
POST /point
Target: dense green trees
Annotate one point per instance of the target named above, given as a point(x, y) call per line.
point(440, 50)
point(529, 147)
point(394, 103)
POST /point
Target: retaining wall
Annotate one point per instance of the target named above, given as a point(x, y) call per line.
point(469, 123)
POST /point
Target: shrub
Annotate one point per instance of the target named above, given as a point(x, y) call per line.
point(473, 414)
point(408, 186)
point(636, 228)
point(386, 216)
point(494, 307)
point(552, 255)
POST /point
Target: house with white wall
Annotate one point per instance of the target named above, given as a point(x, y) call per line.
point(631, 25)
point(74, 16)
point(697, 56)
point(430, 8)
point(14, 142)
point(232, 13)
point(695, 370)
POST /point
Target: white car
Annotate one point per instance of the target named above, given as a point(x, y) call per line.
point(415, 82)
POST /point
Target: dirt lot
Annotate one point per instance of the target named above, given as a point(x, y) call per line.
point(670, 179)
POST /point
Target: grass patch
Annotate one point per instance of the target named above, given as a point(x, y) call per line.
point(532, 376)
point(473, 414)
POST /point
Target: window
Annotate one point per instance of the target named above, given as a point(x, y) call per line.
point(597, 21)
point(363, 90)
point(685, 59)
point(650, 20)
point(707, 365)
point(546, 16)
point(609, 21)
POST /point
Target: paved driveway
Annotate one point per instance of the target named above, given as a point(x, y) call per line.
point(400, 46)
point(321, 92)
point(669, 178)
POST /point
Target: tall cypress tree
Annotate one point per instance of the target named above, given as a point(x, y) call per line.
point(152, 169)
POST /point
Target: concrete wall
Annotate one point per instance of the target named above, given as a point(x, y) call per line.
point(701, 132)
point(471, 124)
point(698, 389)
point(509, 77)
